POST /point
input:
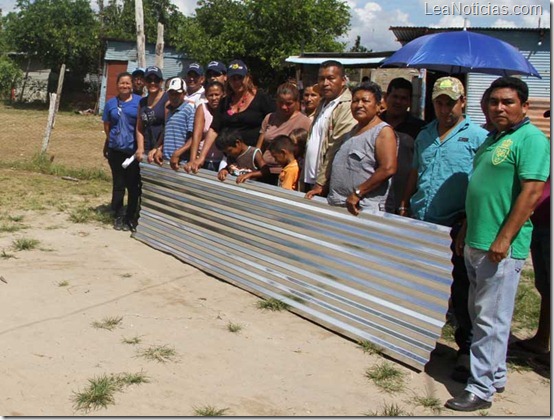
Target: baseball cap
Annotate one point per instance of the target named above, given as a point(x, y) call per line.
point(137, 71)
point(177, 84)
point(195, 67)
point(449, 86)
point(153, 70)
point(237, 67)
point(216, 67)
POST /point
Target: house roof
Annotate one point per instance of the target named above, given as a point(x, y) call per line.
point(349, 59)
point(405, 34)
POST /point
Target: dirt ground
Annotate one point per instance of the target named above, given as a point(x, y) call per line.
point(278, 364)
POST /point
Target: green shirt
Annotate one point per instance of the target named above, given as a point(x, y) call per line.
point(500, 165)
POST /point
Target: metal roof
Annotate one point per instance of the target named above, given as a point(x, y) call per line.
point(349, 59)
point(405, 34)
point(376, 277)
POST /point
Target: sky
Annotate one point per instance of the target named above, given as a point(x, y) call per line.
point(371, 19)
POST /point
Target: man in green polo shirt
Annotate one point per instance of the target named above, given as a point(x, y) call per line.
point(509, 171)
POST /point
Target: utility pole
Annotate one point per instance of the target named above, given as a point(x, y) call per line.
point(139, 18)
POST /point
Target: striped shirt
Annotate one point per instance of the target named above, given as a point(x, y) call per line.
point(178, 128)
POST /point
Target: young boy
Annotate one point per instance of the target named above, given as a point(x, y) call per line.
point(242, 160)
point(282, 149)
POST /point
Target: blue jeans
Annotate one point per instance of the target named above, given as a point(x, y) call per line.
point(492, 292)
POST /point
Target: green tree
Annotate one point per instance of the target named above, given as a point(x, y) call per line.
point(358, 47)
point(118, 20)
point(10, 74)
point(57, 31)
point(263, 32)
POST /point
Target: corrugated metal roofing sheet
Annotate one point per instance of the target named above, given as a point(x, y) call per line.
point(377, 277)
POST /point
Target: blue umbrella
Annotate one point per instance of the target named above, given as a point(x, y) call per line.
point(462, 52)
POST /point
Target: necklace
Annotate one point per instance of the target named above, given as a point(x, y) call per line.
point(239, 104)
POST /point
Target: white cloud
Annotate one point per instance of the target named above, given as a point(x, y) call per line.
point(503, 23)
point(7, 6)
point(372, 24)
point(186, 7)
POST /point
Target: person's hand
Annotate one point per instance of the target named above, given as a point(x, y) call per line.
point(242, 178)
point(402, 210)
point(150, 157)
point(197, 164)
point(158, 157)
point(138, 155)
point(187, 167)
point(316, 190)
point(105, 151)
point(221, 175)
point(174, 162)
point(498, 250)
point(353, 204)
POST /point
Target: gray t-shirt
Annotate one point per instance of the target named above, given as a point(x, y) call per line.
point(355, 163)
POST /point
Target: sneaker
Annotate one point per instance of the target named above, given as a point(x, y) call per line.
point(132, 225)
point(118, 223)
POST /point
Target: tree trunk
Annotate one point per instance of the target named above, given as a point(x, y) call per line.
point(160, 46)
point(139, 18)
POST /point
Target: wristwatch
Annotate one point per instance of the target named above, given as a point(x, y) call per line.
point(358, 194)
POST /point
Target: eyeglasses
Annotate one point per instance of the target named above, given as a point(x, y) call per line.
point(152, 80)
point(213, 74)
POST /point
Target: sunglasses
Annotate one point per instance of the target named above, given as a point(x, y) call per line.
point(152, 80)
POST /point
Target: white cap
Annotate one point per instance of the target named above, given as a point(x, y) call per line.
point(177, 84)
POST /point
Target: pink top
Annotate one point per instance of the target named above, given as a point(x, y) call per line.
point(214, 155)
point(271, 129)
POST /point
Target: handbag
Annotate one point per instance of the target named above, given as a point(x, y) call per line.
point(123, 138)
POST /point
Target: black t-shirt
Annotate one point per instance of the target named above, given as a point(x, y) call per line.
point(248, 122)
point(153, 120)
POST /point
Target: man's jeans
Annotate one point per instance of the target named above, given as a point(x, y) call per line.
point(492, 291)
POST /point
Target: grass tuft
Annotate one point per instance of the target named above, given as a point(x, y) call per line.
point(5, 256)
point(448, 333)
point(133, 340)
point(429, 401)
point(272, 305)
point(209, 411)
point(89, 214)
point(63, 283)
point(387, 377)
point(25, 244)
point(10, 228)
point(108, 323)
point(15, 219)
point(527, 303)
point(234, 328)
point(161, 354)
point(101, 390)
point(369, 347)
point(389, 410)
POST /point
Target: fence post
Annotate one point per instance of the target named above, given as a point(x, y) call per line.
point(59, 92)
point(50, 123)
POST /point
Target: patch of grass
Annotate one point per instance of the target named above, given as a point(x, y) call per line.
point(234, 328)
point(89, 214)
point(447, 333)
point(161, 354)
point(126, 275)
point(527, 304)
point(10, 228)
point(25, 244)
point(15, 219)
point(42, 163)
point(388, 410)
point(429, 401)
point(63, 283)
point(370, 348)
point(108, 323)
point(133, 340)
point(387, 377)
point(272, 304)
point(101, 390)
point(5, 256)
point(517, 364)
point(483, 413)
point(209, 411)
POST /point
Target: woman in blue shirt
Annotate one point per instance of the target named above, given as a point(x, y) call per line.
point(120, 118)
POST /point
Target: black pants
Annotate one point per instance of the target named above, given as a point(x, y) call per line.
point(459, 292)
point(124, 179)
